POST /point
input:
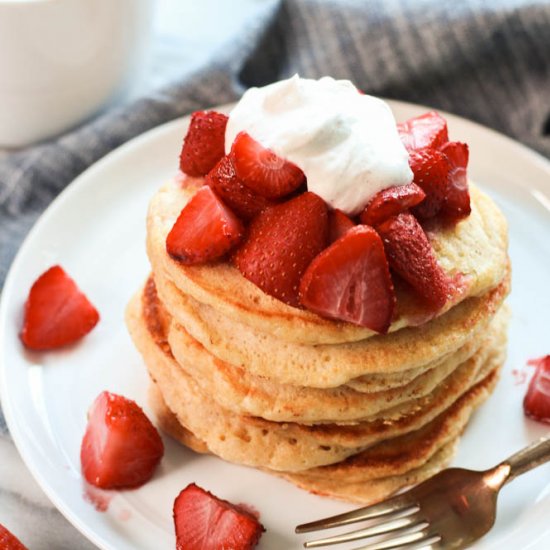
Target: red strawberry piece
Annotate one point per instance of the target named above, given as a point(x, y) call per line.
point(262, 170)
point(431, 172)
point(57, 313)
point(205, 230)
point(411, 256)
point(390, 202)
point(240, 198)
point(536, 403)
point(206, 522)
point(351, 281)
point(8, 541)
point(457, 201)
point(204, 144)
point(338, 225)
point(121, 448)
point(427, 130)
point(282, 240)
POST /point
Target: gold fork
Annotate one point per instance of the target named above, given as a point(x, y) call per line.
point(450, 510)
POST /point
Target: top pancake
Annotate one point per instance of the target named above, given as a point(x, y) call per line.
point(476, 248)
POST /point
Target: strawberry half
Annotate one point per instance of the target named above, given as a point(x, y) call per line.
point(241, 199)
point(205, 522)
point(390, 202)
point(205, 230)
point(121, 448)
point(204, 144)
point(262, 170)
point(282, 240)
point(338, 225)
point(350, 281)
point(8, 541)
point(536, 403)
point(427, 130)
point(457, 200)
point(411, 256)
point(431, 173)
point(57, 313)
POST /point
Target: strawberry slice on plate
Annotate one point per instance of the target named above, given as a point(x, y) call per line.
point(205, 230)
point(390, 202)
point(427, 130)
point(411, 256)
point(262, 170)
point(204, 144)
point(121, 448)
point(338, 224)
point(240, 198)
point(351, 281)
point(57, 313)
point(457, 200)
point(282, 240)
point(206, 522)
point(536, 403)
point(431, 173)
point(8, 541)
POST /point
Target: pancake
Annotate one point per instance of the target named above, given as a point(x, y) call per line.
point(375, 490)
point(389, 458)
point(377, 472)
point(366, 491)
point(168, 422)
point(289, 446)
point(473, 250)
point(239, 391)
point(330, 365)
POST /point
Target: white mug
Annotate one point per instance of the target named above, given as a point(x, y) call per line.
point(61, 60)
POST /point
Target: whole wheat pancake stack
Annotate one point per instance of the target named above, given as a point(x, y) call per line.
point(330, 406)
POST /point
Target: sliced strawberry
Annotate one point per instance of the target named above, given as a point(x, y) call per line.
point(427, 130)
point(57, 313)
point(240, 198)
point(350, 281)
point(262, 170)
point(390, 202)
point(431, 172)
point(206, 522)
point(205, 230)
point(411, 256)
point(338, 225)
point(121, 448)
point(457, 201)
point(9, 541)
point(204, 144)
point(536, 403)
point(282, 240)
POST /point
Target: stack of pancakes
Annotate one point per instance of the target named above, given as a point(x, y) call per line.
point(330, 406)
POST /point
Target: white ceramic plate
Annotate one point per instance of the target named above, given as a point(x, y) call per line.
point(95, 229)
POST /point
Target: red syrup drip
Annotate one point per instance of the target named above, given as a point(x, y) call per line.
point(520, 377)
point(124, 515)
point(536, 403)
point(98, 498)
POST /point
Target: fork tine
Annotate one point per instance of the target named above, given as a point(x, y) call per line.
point(394, 504)
point(396, 527)
point(415, 540)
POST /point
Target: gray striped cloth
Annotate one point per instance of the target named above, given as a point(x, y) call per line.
point(488, 61)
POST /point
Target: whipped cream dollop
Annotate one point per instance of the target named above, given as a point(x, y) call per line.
point(345, 142)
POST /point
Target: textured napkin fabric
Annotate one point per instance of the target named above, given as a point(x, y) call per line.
point(488, 61)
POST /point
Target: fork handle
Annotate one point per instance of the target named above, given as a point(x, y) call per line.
point(528, 458)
